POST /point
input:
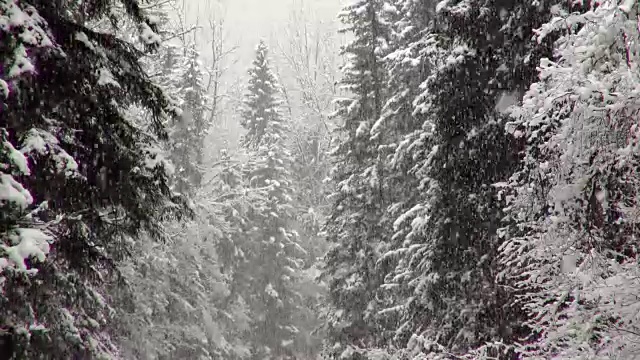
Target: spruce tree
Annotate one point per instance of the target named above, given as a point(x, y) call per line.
point(275, 255)
point(95, 179)
point(354, 225)
point(446, 246)
point(176, 289)
point(190, 129)
point(229, 204)
point(403, 140)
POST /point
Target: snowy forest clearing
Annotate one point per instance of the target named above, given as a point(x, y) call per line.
point(464, 189)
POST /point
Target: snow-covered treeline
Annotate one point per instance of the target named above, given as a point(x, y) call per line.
point(484, 194)
point(125, 233)
point(465, 189)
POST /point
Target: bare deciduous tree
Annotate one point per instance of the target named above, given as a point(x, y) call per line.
point(219, 63)
point(309, 54)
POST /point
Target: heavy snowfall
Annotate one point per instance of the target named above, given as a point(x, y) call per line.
point(266, 180)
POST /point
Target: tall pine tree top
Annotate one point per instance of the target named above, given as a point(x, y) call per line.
point(270, 244)
point(261, 117)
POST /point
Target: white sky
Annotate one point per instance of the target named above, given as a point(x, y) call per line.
point(247, 21)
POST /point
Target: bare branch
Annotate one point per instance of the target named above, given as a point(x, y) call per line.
point(308, 54)
point(218, 57)
point(182, 33)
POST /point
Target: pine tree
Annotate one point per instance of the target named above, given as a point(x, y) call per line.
point(176, 289)
point(403, 141)
point(261, 117)
point(191, 128)
point(176, 68)
point(275, 255)
point(235, 250)
point(354, 225)
point(445, 247)
point(96, 177)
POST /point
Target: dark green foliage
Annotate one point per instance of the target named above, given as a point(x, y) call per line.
point(99, 174)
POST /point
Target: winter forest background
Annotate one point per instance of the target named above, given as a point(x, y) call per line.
point(243, 180)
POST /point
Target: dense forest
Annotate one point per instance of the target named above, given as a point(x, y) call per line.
point(462, 187)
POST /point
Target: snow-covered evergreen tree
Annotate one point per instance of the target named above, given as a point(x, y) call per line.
point(261, 117)
point(97, 178)
point(176, 68)
point(171, 305)
point(403, 140)
point(174, 294)
point(358, 200)
point(445, 246)
point(572, 249)
point(191, 127)
point(274, 254)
